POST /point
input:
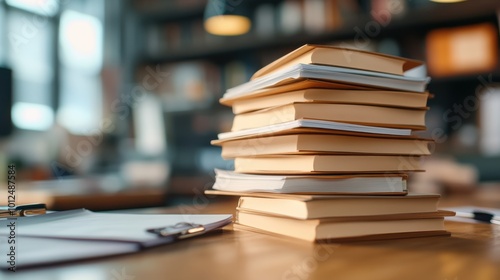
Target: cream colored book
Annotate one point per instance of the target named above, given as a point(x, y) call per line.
point(341, 57)
point(350, 228)
point(365, 184)
point(295, 86)
point(307, 164)
point(357, 114)
point(323, 144)
point(329, 206)
point(373, 97)
point(313, 126)
point(299, 72)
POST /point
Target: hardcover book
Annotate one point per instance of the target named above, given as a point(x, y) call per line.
point(357, 114)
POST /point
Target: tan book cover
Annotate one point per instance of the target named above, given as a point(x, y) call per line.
point(340, 205)
point(374, 97)
point(357, 114)
point(361, 238)
point(343, 228)
point(294, 86)
point(311, 164)
point(323, 144)
point(341, 57)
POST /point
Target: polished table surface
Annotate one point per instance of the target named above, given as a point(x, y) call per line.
point(472, 252)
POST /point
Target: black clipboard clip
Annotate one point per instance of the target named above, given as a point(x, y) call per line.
point(23, 210)
point(179, 230)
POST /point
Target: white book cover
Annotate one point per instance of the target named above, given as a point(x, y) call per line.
point(320, 124)
point(331, 73)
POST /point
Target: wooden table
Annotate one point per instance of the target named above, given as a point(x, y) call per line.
point(472, 252)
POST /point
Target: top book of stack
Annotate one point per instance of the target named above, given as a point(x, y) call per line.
point(340, 65)
point(342, 57)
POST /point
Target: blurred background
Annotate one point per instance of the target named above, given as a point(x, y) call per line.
point(112, 104)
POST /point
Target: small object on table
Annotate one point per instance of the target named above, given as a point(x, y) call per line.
point(23, 210)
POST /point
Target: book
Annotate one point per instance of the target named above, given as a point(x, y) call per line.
point(289, 16)
point(299, 72)
point(264, 20)
point(312, 126)
point(294, 86)
point(314, 16)
point(302, 144)
point(309, 164)
point(375, 184)
point(347, 229)
point(331, 206)
point(333, 19)
point(357, 114)
point(342, 57)
point(362, 97)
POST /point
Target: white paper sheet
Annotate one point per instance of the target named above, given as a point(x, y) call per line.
point(82, 234)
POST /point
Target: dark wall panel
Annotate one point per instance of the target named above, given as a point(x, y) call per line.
point(5, 101)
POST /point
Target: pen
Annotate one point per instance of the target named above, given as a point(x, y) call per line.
point(480, 216)
point(23, 210)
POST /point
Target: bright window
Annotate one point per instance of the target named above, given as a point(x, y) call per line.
point(30, 54)
point(81, 58)
point(2, 31)
point(41, 7)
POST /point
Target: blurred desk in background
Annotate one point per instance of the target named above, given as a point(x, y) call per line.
point(106, 192)
point(93, 193)
point(472, 252)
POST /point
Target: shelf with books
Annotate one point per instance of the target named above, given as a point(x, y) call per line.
point(158, 10)
point(251, 42)
point(359, 27)
point(169, 14)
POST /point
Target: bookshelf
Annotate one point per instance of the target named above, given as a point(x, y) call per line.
point(420, 21)
point(234, 59)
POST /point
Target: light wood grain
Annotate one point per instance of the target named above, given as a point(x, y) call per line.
point(472, 252)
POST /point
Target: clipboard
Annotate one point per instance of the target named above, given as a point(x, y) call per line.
point(75, 235)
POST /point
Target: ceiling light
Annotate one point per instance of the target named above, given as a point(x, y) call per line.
point(226, 18)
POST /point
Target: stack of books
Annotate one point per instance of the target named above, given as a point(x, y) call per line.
point(323, 144)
